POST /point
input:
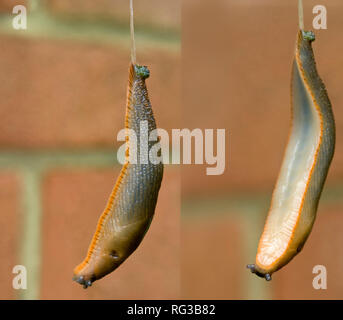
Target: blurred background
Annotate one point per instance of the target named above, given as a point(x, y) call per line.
point(236, 68)
point(63, 93)
point(63, 89)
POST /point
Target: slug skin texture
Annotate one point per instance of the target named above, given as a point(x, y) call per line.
point(305, 166)
point(131, 206)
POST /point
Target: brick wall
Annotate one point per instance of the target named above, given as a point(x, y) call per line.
point(63, 94)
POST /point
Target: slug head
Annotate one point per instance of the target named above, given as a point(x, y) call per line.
point(255, 270)
point(83, 281)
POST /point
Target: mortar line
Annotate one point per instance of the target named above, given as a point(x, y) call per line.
point(101, 30)
point(56, 159)
point(30, 241)
point(255, 287)
point(197, 205)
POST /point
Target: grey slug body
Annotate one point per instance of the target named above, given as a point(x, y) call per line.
point(131, 206)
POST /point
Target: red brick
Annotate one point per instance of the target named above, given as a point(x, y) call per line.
point(147, 12)
point(211, 258)
point(73, 202)
point(6, 6)
point(66, 94)
point(236, 75)
point(9, 230)
point(323, 247)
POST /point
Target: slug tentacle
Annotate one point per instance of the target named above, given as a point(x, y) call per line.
point(305, 166)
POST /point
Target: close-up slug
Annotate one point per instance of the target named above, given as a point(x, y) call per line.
point(131, 206)
point(305, 165)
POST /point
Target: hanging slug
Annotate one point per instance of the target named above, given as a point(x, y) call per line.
point(131, 206)
point(305, 166)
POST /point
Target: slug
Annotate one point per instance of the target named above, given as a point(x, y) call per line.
point(305, 165)
point(131, 206)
